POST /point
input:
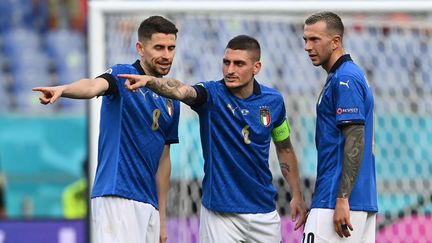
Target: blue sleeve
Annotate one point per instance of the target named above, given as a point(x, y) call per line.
point(172, 134)
point(115, 83)
point(209, 87)
point(281, 116)
point(349, 100)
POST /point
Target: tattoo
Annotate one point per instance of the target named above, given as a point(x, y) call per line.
point(173, 88)
point(285, 146)
point(352, 158)
point(285, 168)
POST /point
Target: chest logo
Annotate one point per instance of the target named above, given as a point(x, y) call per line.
point(170, 107)
point(265, 118)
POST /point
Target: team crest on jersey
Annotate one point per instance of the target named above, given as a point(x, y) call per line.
point(170, 106)
point(265, 118)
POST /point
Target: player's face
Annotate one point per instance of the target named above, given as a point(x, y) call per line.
point(157, 53)
point(239, 69)
point(318, 43)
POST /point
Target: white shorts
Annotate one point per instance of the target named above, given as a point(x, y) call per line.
point(319, 227)
point(120, 220)
point(232, 227)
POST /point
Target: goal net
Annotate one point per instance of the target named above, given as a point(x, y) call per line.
point(392, 42)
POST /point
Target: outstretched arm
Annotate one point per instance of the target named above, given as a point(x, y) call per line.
point(81, 89)
point(163, 179)
point(353, 155)
point(288, 164)
point(167, 87)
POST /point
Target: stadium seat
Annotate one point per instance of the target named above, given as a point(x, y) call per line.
point(19, 41)
point(62, 41)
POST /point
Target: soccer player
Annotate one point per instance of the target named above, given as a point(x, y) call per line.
point(136, 129)
point(238, 118)
point(344, 204)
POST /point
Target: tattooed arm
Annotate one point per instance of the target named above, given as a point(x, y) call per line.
point(167, 87)
point(353, 155)
point(288, 164)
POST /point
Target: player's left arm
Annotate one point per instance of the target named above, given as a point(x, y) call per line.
point(352, 158)
point(289, 168)
point(162, 180)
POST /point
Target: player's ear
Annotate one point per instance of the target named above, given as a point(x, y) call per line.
point(336, 42)
point(140, 48)
point(257, 67)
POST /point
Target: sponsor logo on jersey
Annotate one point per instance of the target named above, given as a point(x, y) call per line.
point(244, 112)
point(169, 106)
point(352, 110)
point(265, 118)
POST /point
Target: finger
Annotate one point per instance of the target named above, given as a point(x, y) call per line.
point(346, 229)
point(338, 229)
point(54, 97)
point(350, 226)
point(129, 85)
point(38, 89)
point(128, 76)
point(302, 217)
point(43, 100)
point(293, 214)
point(343, 230)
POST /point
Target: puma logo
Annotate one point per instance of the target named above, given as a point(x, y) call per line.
point(232, 109)
point(344, 83)
point(143, 93)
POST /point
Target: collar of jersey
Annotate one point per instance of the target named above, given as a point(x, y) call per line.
point(339, 62)
point(256, 88)
point(138, 67)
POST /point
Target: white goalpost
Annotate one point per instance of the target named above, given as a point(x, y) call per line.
point(391, 40)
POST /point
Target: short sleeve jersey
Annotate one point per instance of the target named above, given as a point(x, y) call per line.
point(345, 99)
point(134, 127)
point(235, 137)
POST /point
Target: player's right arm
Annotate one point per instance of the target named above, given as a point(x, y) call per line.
point(168, 87)
point(81, 89)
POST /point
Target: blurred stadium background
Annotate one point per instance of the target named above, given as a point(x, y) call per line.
point(44, 149)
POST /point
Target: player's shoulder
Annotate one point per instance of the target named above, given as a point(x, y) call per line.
point(123, 68)
point(211, 84)
point(350, 71)
point(269, 91)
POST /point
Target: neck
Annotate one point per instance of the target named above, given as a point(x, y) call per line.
point(243, 92)
point(333, 59)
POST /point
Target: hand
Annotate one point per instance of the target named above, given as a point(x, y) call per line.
point(341, 218)
point(134, 82)
point(163, 233)
point(298, 211)
point(49, 95)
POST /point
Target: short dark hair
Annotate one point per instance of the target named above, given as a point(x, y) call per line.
point(248, 43)
point(155, 24)
point(333, 21)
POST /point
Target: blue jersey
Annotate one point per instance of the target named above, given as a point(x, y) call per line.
point(134, 127)
point(235, 137)
point(346, 98)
